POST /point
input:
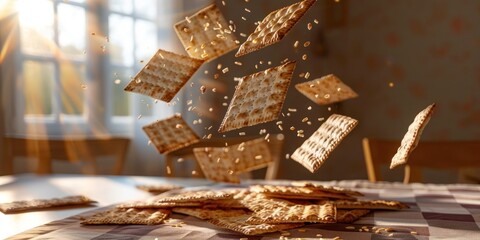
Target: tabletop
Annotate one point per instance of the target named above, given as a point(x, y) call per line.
point(436, 211)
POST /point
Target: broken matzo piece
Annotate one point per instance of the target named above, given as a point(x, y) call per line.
point(258, 98)
point(274, 27)
point(30, 205)
point(239, 224)
point(412, 137)
point(206, 34)
point(128, 216)
point(316, 149)
point(164, 75)
point(170, 134)
point(326, 90)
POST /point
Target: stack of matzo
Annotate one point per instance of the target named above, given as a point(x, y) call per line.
point(255, 210)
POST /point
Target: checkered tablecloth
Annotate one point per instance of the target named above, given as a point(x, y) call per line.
point(436, 212)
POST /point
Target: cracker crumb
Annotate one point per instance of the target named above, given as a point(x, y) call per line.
point(414, 233)
point(306, 44)
point(309, 26)
point(295, 45)
point(350, 227)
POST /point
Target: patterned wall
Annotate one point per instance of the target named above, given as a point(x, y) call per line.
point(399, 55)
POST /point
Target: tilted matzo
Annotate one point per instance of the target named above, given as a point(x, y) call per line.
point(215, 167)
point(293, 192)
point(349, 216)
point(155, 204)
point(197, 196)
point(164, 75)
point(128, 216)
point(325, 213)
point(411, 138)
point(316, 149)
point(170, 134)
point(158, 188)
point(258, 98)
point(239, 224)
point(274, 27)
point(326, 90)
point(317, 187)
point(206, 34)
point(371, 204)
point(224, 163)
point(28, 205)
point(203, 213)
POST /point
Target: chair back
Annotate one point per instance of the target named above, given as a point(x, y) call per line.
point(85, 150)
point(442, 155)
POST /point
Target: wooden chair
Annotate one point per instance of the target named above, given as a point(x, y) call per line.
point(442, 155)
point(71, 149)
point(275, 144)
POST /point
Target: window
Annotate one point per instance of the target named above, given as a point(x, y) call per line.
point(76, 56)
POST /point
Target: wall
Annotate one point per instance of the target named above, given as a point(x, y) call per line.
point(427, 49)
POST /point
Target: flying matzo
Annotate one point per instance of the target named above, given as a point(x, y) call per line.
point(214, 166)
point(206, 34)
point(316, 149)
point(412, 137)
point(326, 90)
point(274, 27)
point(164, 75)
point(170, 134)
point(258, 98)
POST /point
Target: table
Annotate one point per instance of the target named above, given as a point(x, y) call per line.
point(436, 211)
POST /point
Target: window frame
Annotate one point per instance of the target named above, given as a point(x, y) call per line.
point(98, 107)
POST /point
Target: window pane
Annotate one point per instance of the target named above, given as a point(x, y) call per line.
point(71, 22)
point(38, 78)
point(146, 40)
point(121, 40)
point(72, 88)
point(146, 106)
point(146, 8)
point(36, 26)
point(120, 98)
point(124, 6)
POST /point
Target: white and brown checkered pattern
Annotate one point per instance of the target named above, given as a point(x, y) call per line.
point(436, 212)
